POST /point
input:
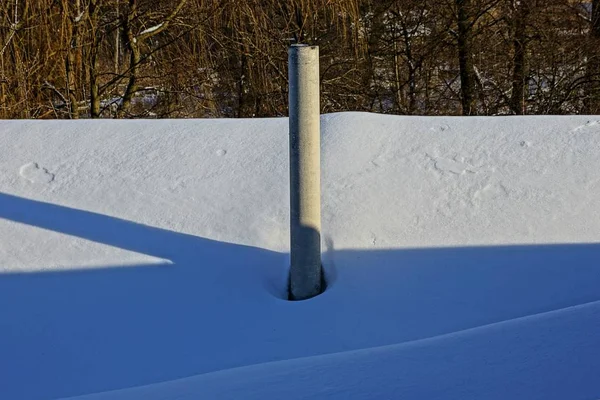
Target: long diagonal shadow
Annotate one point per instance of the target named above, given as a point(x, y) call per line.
point(76, 322)
point(104, 229)
point(196, 254)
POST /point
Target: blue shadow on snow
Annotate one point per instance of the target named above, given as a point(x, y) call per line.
point(218, 305)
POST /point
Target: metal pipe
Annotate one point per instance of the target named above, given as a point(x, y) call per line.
point(305, 172)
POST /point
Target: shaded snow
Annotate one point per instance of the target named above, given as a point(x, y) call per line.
point(138, 252)
point(525, 358)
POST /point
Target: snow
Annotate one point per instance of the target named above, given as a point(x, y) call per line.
point(79, 17)
point(468, 364)
point(147, 260)
point(151, 29)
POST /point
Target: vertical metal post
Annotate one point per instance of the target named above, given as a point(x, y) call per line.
point(305, 172)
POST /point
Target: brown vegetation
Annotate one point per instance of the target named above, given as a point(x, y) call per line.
point(227, 58)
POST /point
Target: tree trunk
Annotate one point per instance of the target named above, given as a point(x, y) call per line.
point(241, 88)
point(397, 75)
point(412, 71)
point(133, 43)
point(592, 100)
point(134, 59)
point(517, 99)
point(73, 59)
point(465, 61)
point(93, 63)
point(117, 40)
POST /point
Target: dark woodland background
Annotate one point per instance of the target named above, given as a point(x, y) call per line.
point(228, 58)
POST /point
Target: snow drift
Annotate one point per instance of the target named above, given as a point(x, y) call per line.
point(461, 257)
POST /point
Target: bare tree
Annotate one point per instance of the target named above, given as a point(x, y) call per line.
point(592, 103)
point(134, 43)
point(465, 21)
point(521, 10)
point(227, 58)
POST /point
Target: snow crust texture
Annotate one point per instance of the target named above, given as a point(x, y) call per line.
point(148, 260)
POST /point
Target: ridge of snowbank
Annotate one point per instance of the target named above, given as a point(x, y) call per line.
point(518, 358)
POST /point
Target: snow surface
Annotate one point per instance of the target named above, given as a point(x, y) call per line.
point(461, 257)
